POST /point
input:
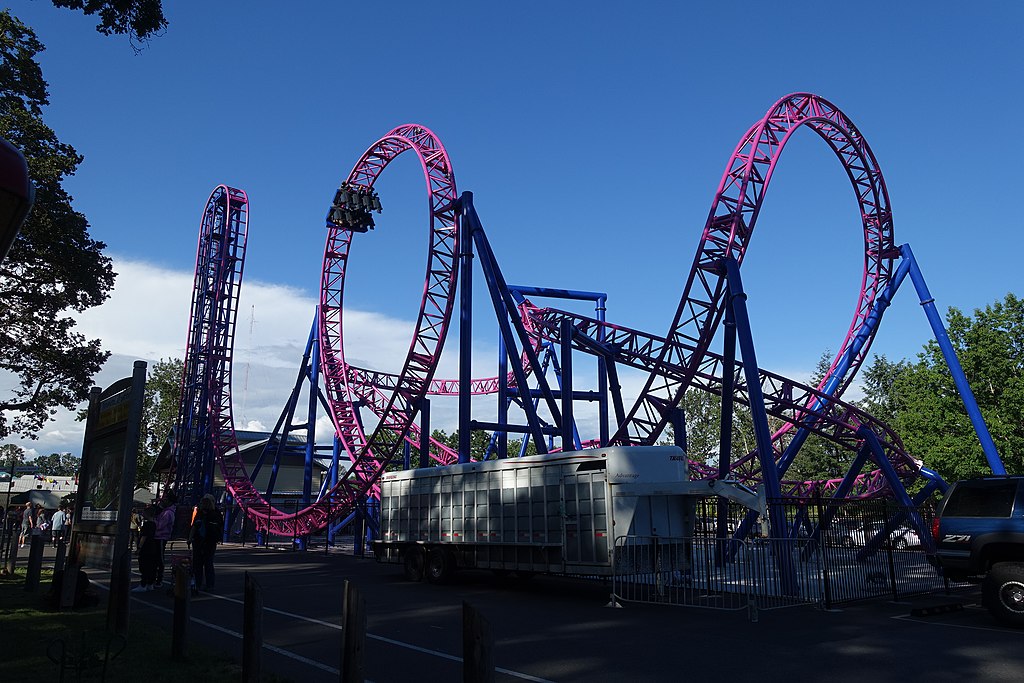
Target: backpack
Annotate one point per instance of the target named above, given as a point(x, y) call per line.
point(200, 528)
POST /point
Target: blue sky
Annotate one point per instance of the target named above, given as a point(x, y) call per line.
point(592, 134)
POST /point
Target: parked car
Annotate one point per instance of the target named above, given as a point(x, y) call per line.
point(708, 526)
point(902, 536)
point(840, 532)
point(979, 533)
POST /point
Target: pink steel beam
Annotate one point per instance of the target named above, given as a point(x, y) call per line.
point(370, 453)
point(727, 232)
point(791, 402)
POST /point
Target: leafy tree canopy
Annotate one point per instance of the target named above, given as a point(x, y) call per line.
point(139, 19)
point(11, 455)
point(54, 265)
point(160, 411)
point(929, 414)
point(58, 464)
point(819, 458)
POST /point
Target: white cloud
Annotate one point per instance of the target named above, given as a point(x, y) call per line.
point(146, 318)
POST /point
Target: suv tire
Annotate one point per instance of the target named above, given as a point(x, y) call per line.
point(1003, 593)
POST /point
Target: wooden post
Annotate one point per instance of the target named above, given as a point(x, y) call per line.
point(62, 552)
point(252, 630)
point(35, 563)
point(69, 585)
point(353, 635)
point(120, 587)
point(477, 647)
point(12, 558)
point(179, 622)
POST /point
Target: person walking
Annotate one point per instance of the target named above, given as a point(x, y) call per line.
point(27, 523)
point(164, 531)
point(42, 523)
point(58, 524)
point(134, 525)
point(204, 534)
point(149, 550)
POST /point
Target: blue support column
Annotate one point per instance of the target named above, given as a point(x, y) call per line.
point(867, 329)
point(310, 452)
point(568, 426)
point(602, 376)
point(769, 472)
point(335, 461)
point(677, 418)
point(615, 389)
point(501, 299)
point(425, 432)
point(502, 436)
point(466, 226)
point(728, 388)
point(902, 497)
point(949, 353)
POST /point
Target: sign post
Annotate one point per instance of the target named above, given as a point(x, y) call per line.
point(106, 486)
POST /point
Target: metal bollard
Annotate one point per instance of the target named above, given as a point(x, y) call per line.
point(353, 634)
point(35, 563)
point(179, 621)
point(252, 630)
point(477, 647)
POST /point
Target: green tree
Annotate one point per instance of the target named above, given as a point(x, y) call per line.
point(139, 19)
point(478, 446)
point(879, 380)
point(929, 414)
point(819, 458)
point(160, 412)
point(703, 413)
point(11, 455)
point(54, 265)
point(58, 464)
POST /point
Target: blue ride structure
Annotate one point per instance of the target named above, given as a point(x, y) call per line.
point(205, 426)
point(540, 348)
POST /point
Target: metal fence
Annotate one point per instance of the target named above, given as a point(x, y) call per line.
point(836, 554)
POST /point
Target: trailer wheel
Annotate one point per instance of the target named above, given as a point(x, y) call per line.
point(1003, 593)
point(440, 565)
point(413, 564)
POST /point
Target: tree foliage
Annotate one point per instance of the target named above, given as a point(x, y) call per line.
point(160, 412)
point(879, 381)
point(819, 458)
point(58, 464)
point(139, 19)
point(929, 414)
point(703, 412)
point(479, 442)
point(54, 265)
point(11, 455)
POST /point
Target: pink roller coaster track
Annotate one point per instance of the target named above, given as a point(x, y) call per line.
point(674, 362)
point(370, 453)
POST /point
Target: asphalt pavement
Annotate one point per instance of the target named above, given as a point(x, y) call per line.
point(558, 629)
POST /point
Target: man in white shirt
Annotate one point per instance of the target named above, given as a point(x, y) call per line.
point(59, 525)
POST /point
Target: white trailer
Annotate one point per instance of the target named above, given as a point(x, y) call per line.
point(558, 513)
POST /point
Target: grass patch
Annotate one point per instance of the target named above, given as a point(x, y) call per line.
point(30, 624)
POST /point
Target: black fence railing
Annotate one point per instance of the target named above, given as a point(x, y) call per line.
point(834, 553)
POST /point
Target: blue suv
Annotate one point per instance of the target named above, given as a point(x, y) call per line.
point(979, 534)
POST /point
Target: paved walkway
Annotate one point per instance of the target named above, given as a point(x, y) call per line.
point(553, 629)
